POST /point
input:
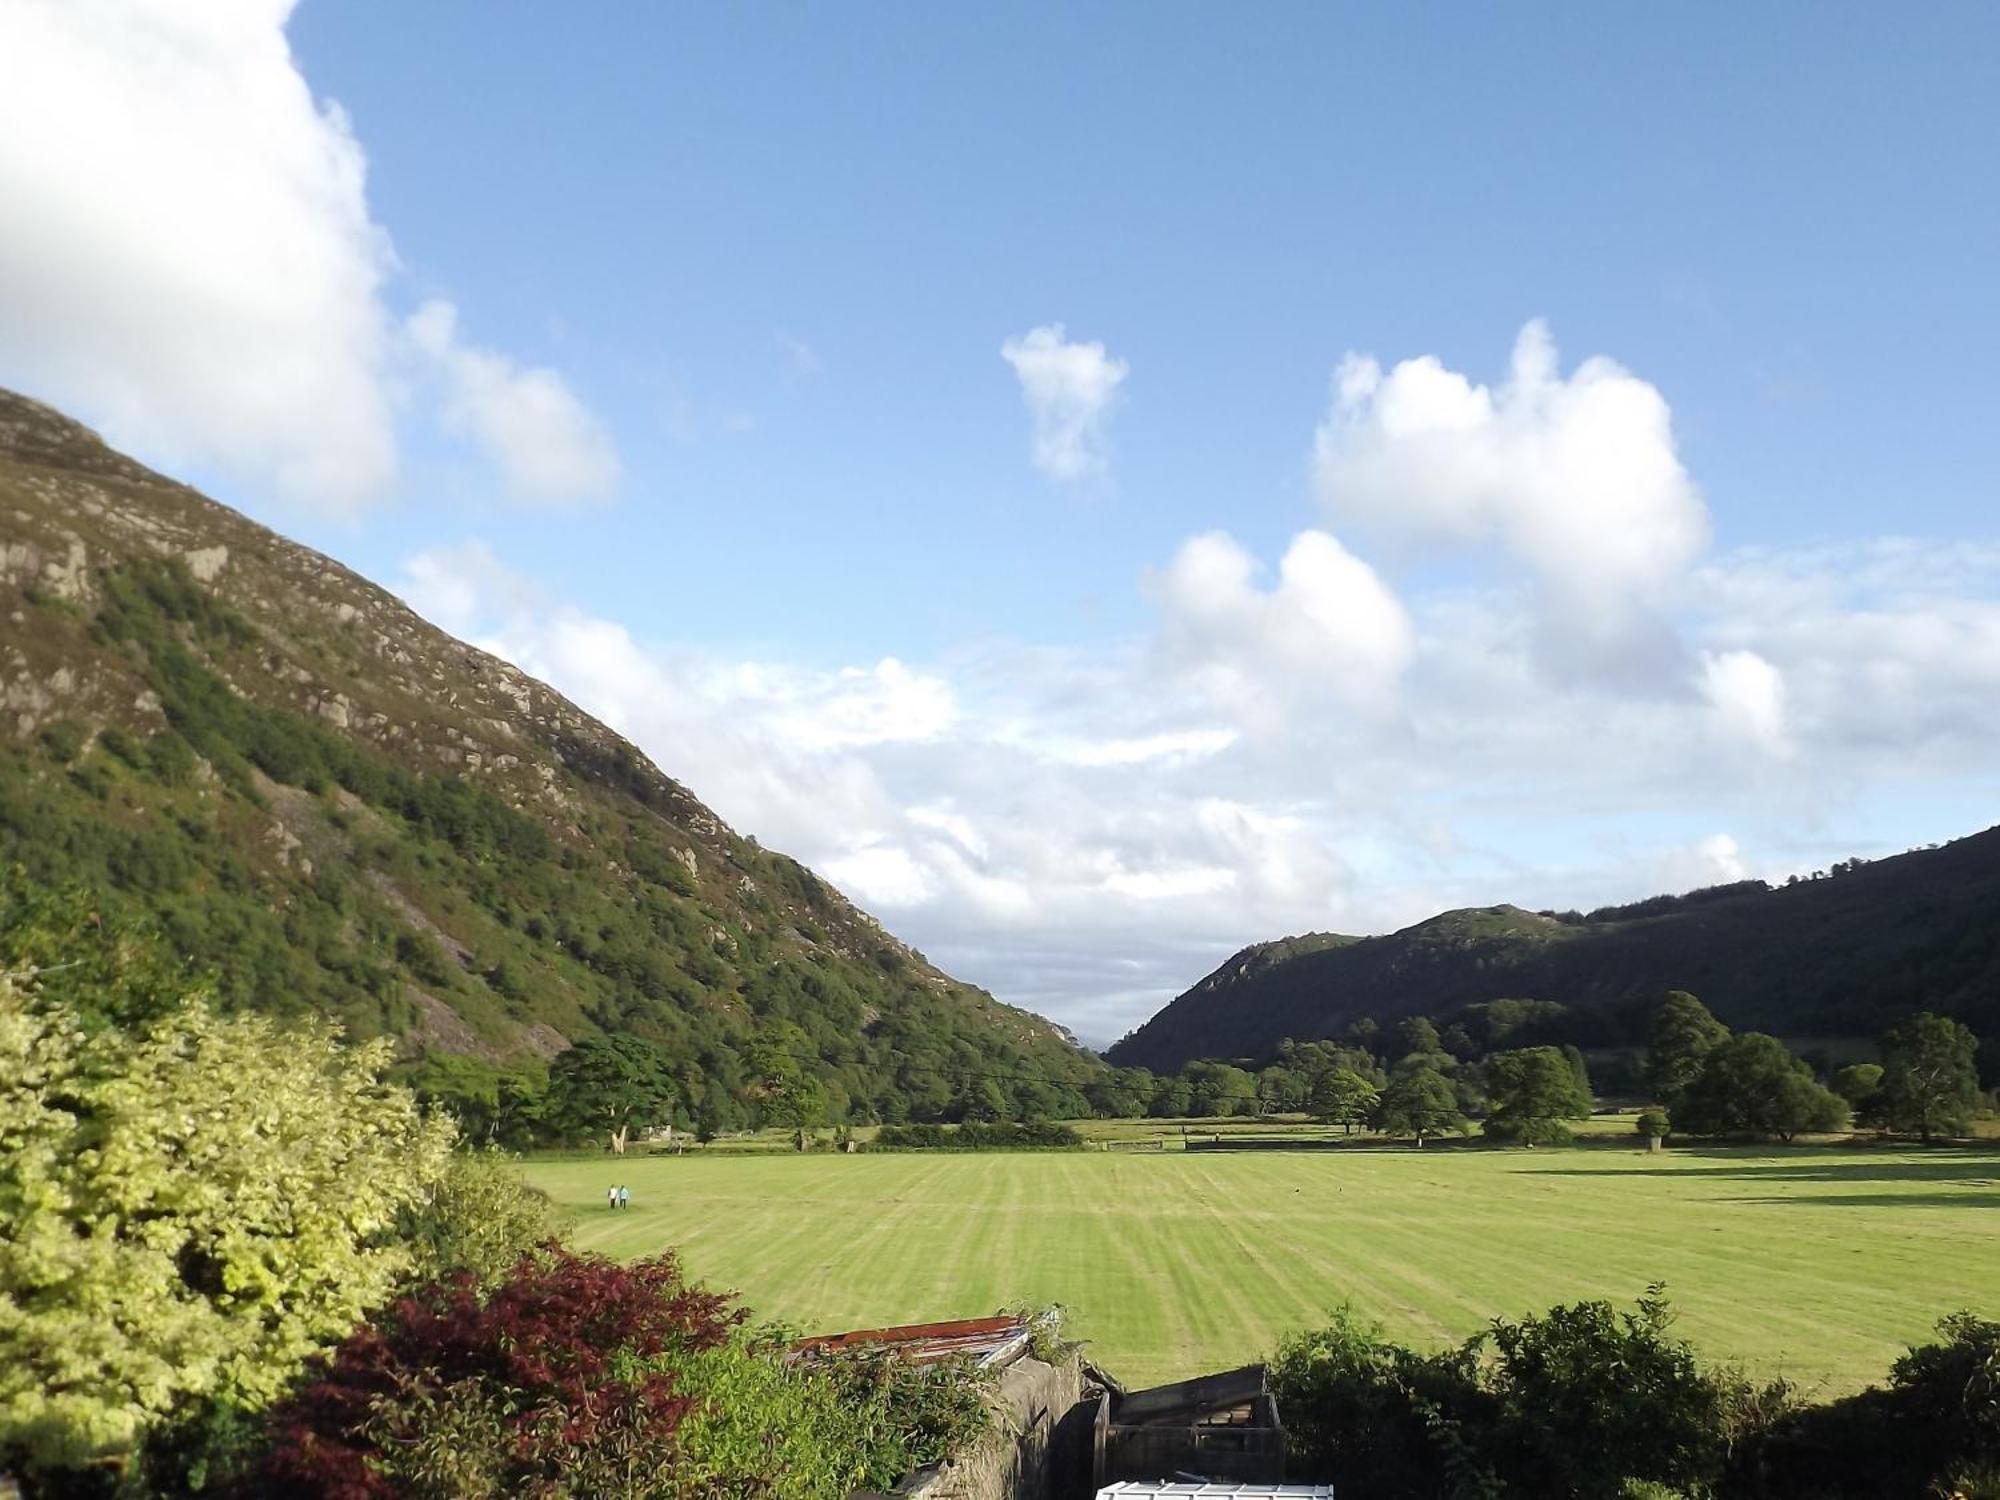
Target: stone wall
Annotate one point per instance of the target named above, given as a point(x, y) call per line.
point(1031, 1453)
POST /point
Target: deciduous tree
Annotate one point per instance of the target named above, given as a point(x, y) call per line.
point(1533, 1091)
point(188, 1208)
point(1343, 1097)
point(1929, 1081)
point(1682, 1035)
point(611, 1085)
point(1753, 1085)
point(1419, 1103)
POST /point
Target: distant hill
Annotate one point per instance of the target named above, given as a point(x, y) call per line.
point(338, 808)
point(1841, 954)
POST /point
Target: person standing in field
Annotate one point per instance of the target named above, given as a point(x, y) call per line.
point(624, 1197)
point(611, 1196)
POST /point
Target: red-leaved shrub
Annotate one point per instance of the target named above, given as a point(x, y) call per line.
point(451, 1391)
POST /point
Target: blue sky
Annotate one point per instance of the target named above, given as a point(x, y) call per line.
point(661, 349)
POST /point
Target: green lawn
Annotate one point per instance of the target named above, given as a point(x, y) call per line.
point(1820, 1264)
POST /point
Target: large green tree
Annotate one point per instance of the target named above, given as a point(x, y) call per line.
point(1753, 1085)
point(1681, 1036)
point(611, 1085)
point(1420, 1103)
point(188, 1208)
point(1533, 1090)
point(1343, 1097)
point(1930, 1083)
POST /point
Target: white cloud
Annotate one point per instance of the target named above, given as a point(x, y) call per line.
point(1071, 828)
point(547, 444)
point(1748, 696)
point(189, 260)
point(188, 254)
point(1576, 479)
point(1328, 629)
point(460, 587)
point(1069, 389)
point(883, 876)
point(855, 706)
point(1177, 746)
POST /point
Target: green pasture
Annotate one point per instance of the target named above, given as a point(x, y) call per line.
point(1817, 1263)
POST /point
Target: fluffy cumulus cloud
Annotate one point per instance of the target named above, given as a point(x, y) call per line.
point(1327, 629)
point(1070, 388)
point(189, 251)
point(1575, 478)
point(548, 446)
point(1089, 829)
point(190, 260)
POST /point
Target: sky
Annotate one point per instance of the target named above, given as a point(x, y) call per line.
point(1108, 484)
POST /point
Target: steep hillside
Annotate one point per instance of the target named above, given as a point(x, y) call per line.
point(1835, 955)
point(336, 807)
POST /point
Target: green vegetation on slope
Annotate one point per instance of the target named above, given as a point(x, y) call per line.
point(1844, 953)
point(338, 811)
point(1820, 1265)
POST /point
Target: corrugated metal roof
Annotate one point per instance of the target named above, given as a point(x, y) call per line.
point(990, 1341)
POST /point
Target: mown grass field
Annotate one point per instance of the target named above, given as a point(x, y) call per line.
point(1820, 1264)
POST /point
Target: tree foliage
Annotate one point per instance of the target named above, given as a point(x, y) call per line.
point(1420, 1103)
point(609, 1086)
point(1752, 1085)
point(1341, 1096)
point(1534, 1090)
point(1678, 1043)
point(187, 1209)
point(1929, 1083)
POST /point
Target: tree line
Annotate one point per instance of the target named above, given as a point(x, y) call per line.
point(1419, 1081)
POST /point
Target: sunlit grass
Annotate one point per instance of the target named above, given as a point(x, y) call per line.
point(1820, 1264)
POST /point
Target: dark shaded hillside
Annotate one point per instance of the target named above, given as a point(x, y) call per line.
point(336, 807)
point(1837, 955)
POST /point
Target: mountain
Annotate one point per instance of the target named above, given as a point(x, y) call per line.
point(336, 807)
point(1840, 954)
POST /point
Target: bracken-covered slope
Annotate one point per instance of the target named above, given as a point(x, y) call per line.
point(336, 807)
point(1839, 955)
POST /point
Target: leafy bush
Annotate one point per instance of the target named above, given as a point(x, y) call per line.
point(1935, 1430)
point(1591, 1398)
point(1375, 1413)
point(1581, 1401)
point(578, 1377)
point(479, 1216)
point(455, 1392)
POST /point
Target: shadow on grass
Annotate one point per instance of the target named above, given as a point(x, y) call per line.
point(1969, 1166)
point(1878, 1200)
